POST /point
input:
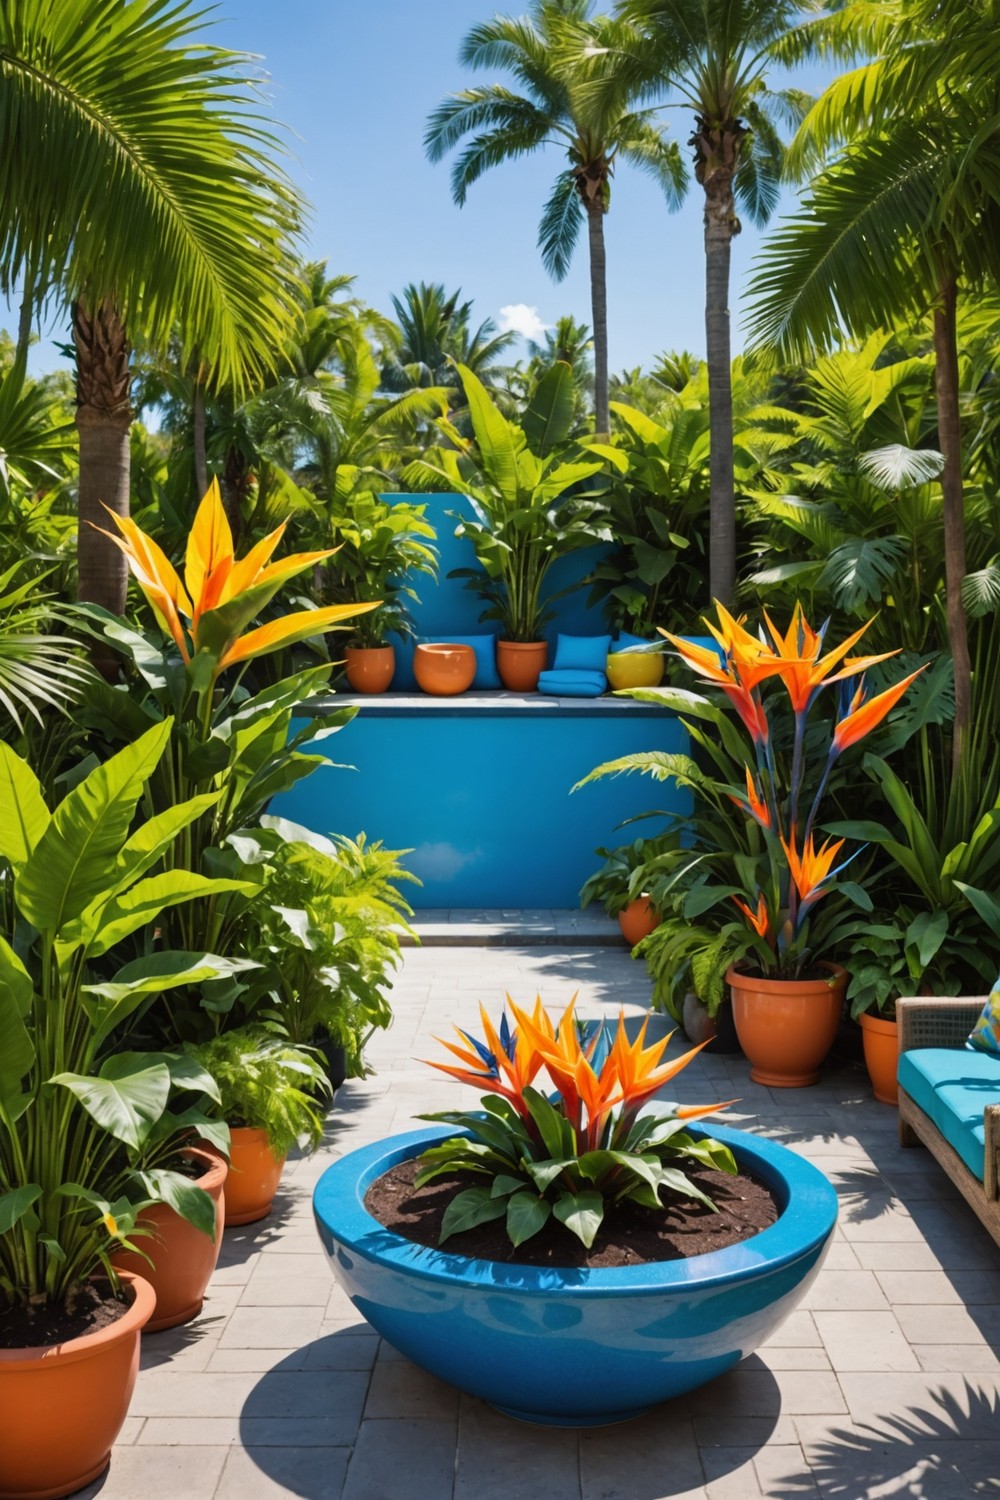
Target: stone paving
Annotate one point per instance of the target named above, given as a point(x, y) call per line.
point(884, 1383)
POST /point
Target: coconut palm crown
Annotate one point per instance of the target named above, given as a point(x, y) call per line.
point(547, 52)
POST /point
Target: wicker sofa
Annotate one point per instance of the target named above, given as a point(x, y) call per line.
point(949, 1097)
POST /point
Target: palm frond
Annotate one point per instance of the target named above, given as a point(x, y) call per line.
point(135, 166)
point(559, 226)
point(898, 468)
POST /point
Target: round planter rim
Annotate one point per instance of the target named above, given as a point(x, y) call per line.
point(781, 986)
point(884, 1024)
point(338, 1201)
point(134, 1318)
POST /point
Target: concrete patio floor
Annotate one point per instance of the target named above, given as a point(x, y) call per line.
point(885, 1383)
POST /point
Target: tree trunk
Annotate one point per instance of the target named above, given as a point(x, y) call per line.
point(717, 152)
point(946, 384)
point(103, 419)
point(198, 435)
point(236, 477)
point(599, 312)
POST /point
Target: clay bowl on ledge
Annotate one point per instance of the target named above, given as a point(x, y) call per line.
point(444, 668)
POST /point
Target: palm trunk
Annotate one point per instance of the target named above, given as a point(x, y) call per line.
point(717, 152)
point(946, 383)
point(103, 419)
point(198, 437)
point(599, 313)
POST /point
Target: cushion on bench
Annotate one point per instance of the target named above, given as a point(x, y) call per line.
point(953, 1085)
point(576, 684)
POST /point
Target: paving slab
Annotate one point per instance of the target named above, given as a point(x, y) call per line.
point(884, 1382)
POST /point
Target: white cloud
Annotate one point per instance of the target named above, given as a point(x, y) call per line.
point(518, 317)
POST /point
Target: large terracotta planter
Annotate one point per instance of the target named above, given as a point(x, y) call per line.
point(369, 668)
point(575, 1348)
point(787, 1026)
point(444, 669)
point(254, 1174)
point(521, 663)
point(638, 920)
point(633, 669)
point(880, 1037)
point(63, 1405)
point(183, 1257)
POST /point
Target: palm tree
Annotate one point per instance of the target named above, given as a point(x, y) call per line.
point(904, 220)
point(139, 185)
point(548, 54)
point(712, 57)
point(435, 333)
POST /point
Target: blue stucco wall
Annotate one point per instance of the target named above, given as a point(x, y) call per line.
point(449, 608)
point(480, 791)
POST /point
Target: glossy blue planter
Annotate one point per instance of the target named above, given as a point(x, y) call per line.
point(575, 1348)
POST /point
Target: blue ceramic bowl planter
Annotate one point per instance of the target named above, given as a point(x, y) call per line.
point(574, 1347)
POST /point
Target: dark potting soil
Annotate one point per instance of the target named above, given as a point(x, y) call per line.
point(95, 1307)
point(630, 1235)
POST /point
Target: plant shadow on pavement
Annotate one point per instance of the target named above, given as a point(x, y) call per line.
point(947, 1449)
point(645, 1455)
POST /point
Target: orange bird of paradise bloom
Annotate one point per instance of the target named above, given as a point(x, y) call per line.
point(754, 802)
point(864, 715)
point(758, 919)
point(220, 595)
point(796, 657)
point(812, 867)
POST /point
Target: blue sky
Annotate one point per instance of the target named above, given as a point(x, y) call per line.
point(354, 82)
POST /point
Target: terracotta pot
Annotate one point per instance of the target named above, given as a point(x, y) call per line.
point(63, 1405)
point(787, 1026)
point(638, 920)
point(444, 669)
point(521, 663)
point(254, 1174)
point(881, 1043)
point(718, 1031)
point(632, 669)
point(369, 668)
point(183, 1257)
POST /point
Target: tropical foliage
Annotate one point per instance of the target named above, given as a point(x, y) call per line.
point(571, 1157)
point(524, 485)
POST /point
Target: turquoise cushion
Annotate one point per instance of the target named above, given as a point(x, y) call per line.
point(562, 684)
point(986, 1033)
point(485, 647)
point(953, 1085)
point(581, 653)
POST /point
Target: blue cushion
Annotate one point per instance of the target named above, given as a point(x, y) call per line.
point(626, 642)
point(562, 684)
point(581, 653)
point(485, 647)
point(953, 1085)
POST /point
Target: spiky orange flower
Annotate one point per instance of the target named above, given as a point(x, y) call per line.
point(505, 1065)
point(754, 802)
point(812, 867)
point(865, 716)
point(758, 919)
point(220, 596)
point(801, 664)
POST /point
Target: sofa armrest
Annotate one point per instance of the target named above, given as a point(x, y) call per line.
point(929, 1021)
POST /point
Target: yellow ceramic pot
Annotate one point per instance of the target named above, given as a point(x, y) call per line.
point(630, 669)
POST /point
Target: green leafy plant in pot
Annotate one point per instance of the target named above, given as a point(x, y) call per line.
point(325, 931)
point(84, 1130)
point(518, 480)
point(383, 547)
point(269, 1094)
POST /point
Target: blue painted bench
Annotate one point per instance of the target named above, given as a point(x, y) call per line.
point(949, 1097)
